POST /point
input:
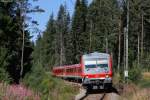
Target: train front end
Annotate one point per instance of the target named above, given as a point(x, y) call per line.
point(97, 70)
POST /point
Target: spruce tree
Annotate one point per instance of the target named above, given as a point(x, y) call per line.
point(11, 36)
point(48, 44)
point(79, 30)
point(102, 27)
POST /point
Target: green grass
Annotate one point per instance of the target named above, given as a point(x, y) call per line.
point(144, 83)
point(58, 91)
point(50, 88)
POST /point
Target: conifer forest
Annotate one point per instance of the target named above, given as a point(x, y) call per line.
point(120, 28)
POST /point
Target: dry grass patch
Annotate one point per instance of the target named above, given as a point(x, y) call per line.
point(133, 92)
point(141, 95)
point(129, 89)
point(146, 75)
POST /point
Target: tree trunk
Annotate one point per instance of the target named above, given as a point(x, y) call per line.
point(90, 48)
point(138, 49)
point(142, 35)
point(106, 39)
point(22, 53)
point(127, 32)
point(119, 46)
point(61, 49)
point(23, 37)
point(124, 54)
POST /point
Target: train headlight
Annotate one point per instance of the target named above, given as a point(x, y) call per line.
point(107, 76)
point(86, 77)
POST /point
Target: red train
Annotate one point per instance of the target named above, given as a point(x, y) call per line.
point(94, 70)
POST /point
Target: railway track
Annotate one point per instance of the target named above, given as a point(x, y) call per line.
point(100, 95)
point(95, 94)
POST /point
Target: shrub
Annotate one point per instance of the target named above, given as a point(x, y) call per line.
point(4, 76)
point(48, 86)
point(146, 62)
point(135, 73)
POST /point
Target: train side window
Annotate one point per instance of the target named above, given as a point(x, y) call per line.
point(68, 70)
point(74, 70)
point(78, 69)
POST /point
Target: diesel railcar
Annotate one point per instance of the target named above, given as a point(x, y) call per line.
point(94, 70)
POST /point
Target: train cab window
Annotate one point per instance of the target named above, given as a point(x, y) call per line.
point(102, 65)
point(90, 66)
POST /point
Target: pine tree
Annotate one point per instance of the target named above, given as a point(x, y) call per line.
point(68, 41)
point(8, 40)
point(48, 44)
point(79, 30)
point(62, 24)
point(103, 18)
point(139, 16)
point(11, 38)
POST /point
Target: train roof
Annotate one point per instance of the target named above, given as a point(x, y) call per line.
point(66, 66)
point(95, 55)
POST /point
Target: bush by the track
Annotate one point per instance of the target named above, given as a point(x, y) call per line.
point(49, 87)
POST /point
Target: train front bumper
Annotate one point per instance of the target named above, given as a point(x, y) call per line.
point(97, 81)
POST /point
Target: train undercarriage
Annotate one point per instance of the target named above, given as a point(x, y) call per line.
point(97, 83)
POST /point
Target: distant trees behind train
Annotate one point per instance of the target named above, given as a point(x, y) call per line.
point(98, 26)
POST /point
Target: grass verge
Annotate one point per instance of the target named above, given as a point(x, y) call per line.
point(50, 88)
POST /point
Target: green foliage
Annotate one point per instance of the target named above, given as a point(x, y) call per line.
point(102, 26)
point(47, 44)
point(79, 35)
point(49, 87)
point(54, 46)
point(144, 83)
point(3, 53)
point(51, 49)
point(4, 76)
point(145, 62)
point(11, 22)
point(61, 37)
point(135, 73)
point(31, 78)
point(138, 8)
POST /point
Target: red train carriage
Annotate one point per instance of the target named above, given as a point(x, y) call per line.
point(95, 69)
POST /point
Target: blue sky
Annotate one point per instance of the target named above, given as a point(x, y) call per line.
point(50, 6)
